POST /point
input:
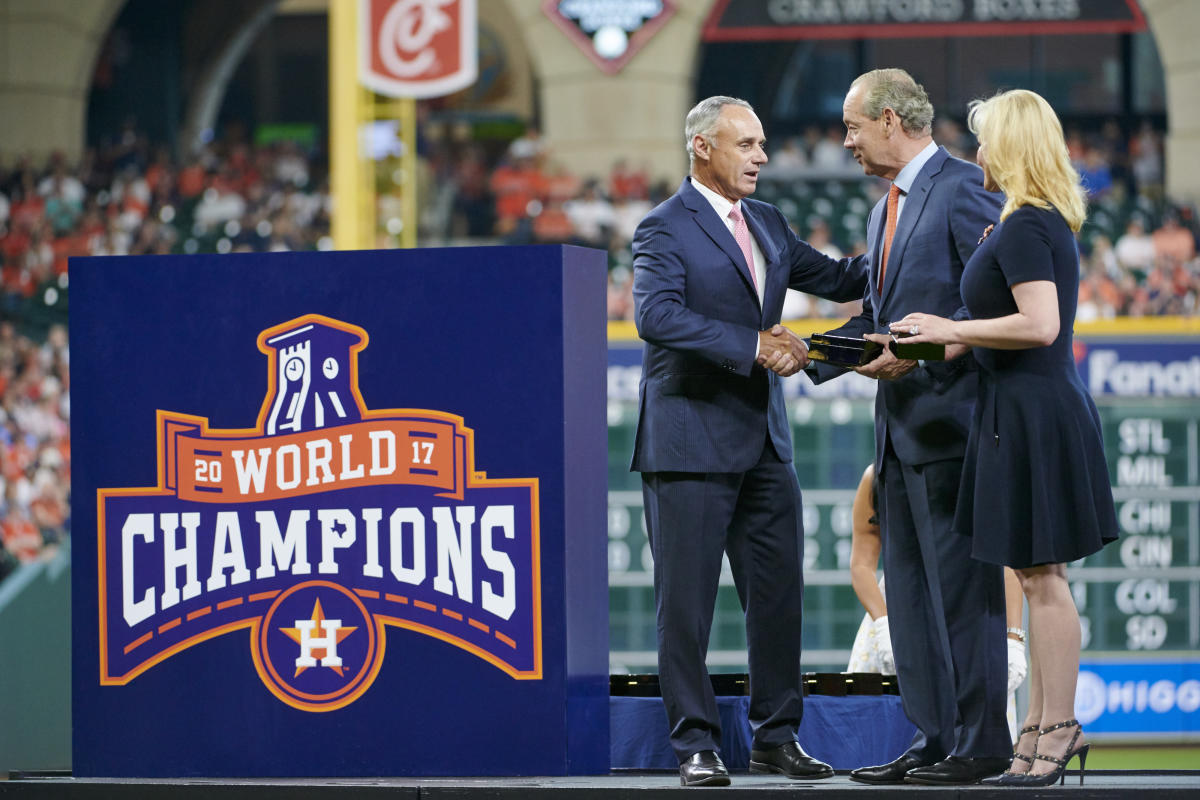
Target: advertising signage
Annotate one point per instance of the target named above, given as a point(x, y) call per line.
point(761, 20)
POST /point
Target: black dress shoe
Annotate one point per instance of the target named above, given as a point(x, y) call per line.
point(956, 770)
point(789, 760)
point(893, 772)
point(703, 769)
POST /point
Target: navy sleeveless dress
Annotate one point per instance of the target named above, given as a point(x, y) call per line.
point(1035, 486)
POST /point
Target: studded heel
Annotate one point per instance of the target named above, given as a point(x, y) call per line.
point(1059, 774)
point(1001, 779)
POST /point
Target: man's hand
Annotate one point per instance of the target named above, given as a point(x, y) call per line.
point(782, 351)
point(885, 366)
point(954, 351)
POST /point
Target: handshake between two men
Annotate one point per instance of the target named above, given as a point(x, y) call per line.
point(782, 351)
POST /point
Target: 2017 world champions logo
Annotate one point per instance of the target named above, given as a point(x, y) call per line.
point(315, 530)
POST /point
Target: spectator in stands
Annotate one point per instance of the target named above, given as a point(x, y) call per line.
point(828, 153)
point(620, 293)
point(28, 207)
point(1145, 156)
point(798, 305)
point(1115, 147)
point(627, 213)
point(627, 182)
point(790, 158)
point(951, 135)
point(62, 183)
point(1135, 249)
point(528, 147)
point(1076, 146)
point(551, 225)
point(1103, 257)
point(1173, 244)
point(592, 215)
point(1094, 173)
point(193, 179)
point(474, 205)
point(516, 184)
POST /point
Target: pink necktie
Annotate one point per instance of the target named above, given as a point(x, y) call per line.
point(741, 235)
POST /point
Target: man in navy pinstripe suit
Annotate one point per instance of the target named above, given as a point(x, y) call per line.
point(711, 268)
point(946, 610)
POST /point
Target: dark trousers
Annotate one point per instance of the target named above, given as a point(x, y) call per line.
point(755, 517)
point(946, 614)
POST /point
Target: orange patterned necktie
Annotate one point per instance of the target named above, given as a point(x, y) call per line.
point(893, 208)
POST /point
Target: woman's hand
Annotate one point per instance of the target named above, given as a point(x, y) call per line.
point(926, 328)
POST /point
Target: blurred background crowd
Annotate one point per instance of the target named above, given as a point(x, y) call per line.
point(129, 196)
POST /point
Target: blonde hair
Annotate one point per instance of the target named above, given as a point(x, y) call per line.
point(1027, 154)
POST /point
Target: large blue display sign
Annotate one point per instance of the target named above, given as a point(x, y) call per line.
point(339, 542)
point(1139, 698)
point(1109, 367)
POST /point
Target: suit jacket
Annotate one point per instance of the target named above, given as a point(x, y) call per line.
point(705, 406)
point(927, 412)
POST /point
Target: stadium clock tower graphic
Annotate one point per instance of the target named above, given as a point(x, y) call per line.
point(314, 378)
point(317, 529)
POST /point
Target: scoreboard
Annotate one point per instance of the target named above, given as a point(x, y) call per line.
point(1142, 593)
point(1138, 598)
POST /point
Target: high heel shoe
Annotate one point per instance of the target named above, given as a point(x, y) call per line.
point(1059, 774)
point(1003, 778)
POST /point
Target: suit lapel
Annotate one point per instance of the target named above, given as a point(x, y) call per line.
point(714, 227)
point(914, 204)
point(875, 230)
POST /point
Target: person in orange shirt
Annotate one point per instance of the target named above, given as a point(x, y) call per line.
point(1173, 243)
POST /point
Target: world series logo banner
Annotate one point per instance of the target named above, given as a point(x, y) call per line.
point(315, 530)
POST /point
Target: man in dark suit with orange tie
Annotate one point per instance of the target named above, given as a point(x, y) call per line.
point(946, 611)
point(711, 268)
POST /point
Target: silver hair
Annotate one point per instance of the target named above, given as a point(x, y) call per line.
point(897, 90)
point(702, 119)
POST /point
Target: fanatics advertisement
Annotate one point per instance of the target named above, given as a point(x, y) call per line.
point(334, 518)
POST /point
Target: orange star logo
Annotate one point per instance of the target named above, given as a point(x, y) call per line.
point(308, 638)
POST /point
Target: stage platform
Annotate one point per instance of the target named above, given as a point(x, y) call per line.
point(1101, 785)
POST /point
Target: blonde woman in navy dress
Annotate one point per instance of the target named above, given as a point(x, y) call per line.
point(1035, 492)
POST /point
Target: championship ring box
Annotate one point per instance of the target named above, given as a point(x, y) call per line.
point(922, 351)
point(842, 351)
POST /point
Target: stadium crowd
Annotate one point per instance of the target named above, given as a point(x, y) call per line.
point(1138, 249)
point(130, 197)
